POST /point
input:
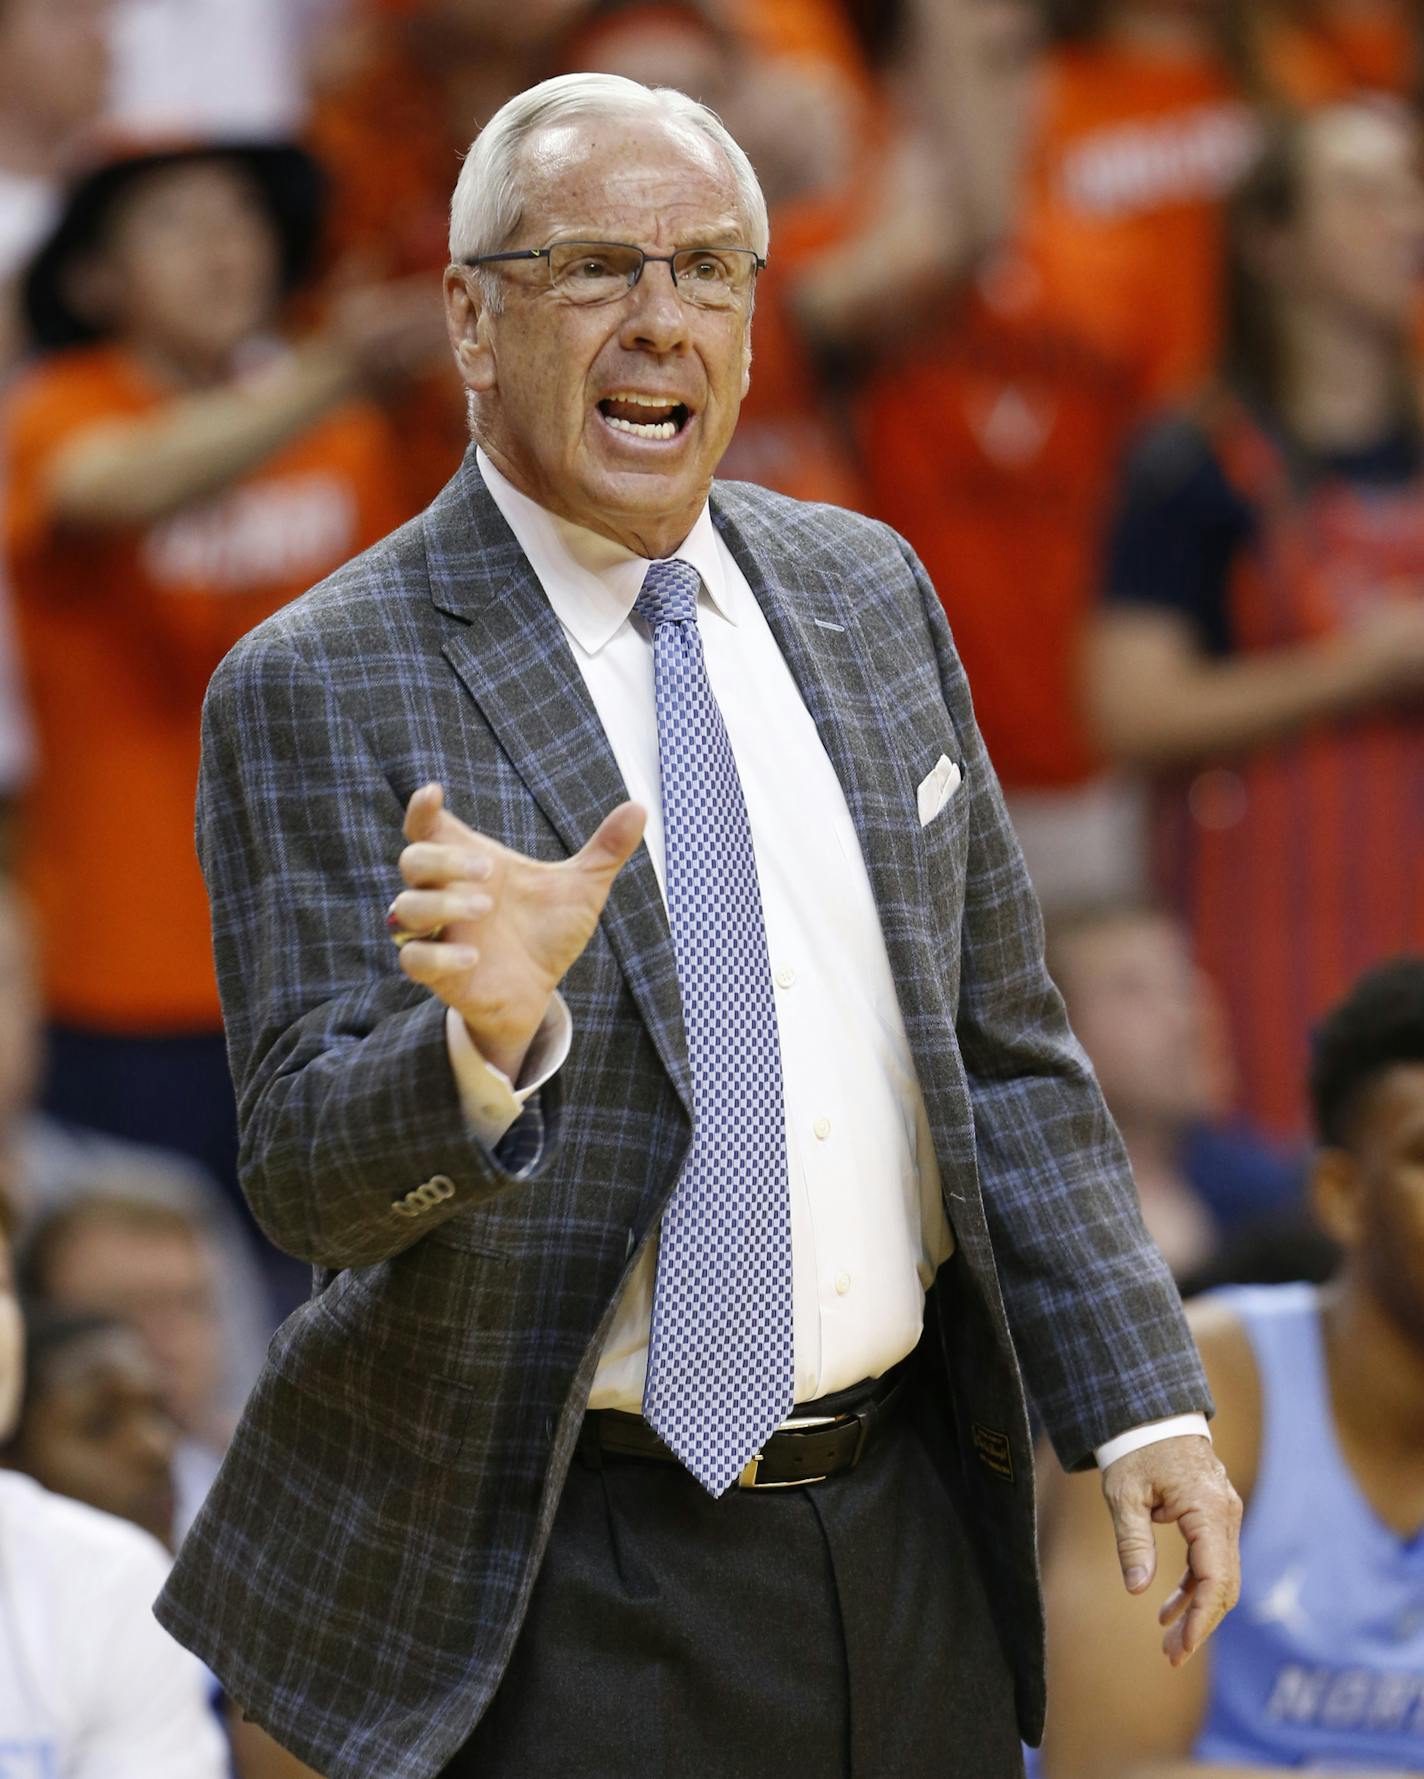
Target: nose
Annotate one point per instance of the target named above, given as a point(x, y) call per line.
point(656, 316)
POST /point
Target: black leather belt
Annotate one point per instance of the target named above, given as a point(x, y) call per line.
point(806, 1449)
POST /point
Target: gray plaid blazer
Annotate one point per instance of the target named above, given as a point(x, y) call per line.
point(359, 1572)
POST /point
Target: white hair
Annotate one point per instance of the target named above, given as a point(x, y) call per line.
point(488, 205)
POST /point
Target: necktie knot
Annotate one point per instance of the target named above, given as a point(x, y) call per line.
point(669, 593)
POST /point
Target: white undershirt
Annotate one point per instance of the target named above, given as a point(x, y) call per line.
point(868, 1224)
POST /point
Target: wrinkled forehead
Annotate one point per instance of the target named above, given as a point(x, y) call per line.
point(616, 178)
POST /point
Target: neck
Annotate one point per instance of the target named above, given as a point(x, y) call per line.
point(177, 370)
point(1376, 1369)
point(650, 535)
point(1342, 379)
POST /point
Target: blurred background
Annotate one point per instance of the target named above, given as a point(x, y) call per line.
point(1112, 307)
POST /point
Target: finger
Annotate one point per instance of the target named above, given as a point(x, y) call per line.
point(430, 962)
point(1176, 1602)
point(422, 911)
point(1213, 1593)
point(1136, 1547)
point(427, 865)
point(613, 842)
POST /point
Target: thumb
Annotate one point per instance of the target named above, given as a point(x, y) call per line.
point(1136, 1543)
point(611, 845)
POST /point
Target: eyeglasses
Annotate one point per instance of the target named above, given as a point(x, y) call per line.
point(603, 271)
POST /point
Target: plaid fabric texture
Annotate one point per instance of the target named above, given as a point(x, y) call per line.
point(358, 1574)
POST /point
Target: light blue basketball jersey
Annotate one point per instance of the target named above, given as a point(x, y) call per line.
point(1322, 1663)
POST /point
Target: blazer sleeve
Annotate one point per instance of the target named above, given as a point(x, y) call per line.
point(346, 1097)
point(1096, 1319)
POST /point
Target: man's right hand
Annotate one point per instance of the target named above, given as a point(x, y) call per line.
point(510, 926)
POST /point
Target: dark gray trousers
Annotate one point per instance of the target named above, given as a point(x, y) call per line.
point(837, 1631)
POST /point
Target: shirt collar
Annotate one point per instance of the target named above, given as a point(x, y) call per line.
point(592, 582)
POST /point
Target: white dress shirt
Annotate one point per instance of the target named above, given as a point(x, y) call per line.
point(868, 1224)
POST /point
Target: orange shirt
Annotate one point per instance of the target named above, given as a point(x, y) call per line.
point(121, 629)
point(1367, 50)
point(1133, 156)
point(991, 445)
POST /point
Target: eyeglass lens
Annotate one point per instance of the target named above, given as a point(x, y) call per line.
point(599, 271)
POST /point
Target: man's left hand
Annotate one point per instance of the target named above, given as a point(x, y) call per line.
point(1179, 1481)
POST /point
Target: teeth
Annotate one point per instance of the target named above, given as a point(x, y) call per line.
point(659, 429)
point(646, 401)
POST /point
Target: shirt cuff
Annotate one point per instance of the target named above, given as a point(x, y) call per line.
point(490, 1101)
point(1174, 1427)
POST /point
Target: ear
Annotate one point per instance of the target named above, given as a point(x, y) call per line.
point(1336, 1195)
point(468, 323)
point(747, 362)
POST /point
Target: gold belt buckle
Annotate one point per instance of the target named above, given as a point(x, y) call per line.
point(748, 1478)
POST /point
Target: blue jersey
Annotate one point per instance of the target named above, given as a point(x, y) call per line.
point(1322, 1663)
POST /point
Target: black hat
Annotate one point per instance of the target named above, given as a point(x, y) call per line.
point(291, 181)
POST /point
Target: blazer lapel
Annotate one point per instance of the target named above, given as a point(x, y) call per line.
point(818, 637)
point(514, 660)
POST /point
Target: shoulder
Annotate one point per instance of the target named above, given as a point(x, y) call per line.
point(804, 525)
point(803, 543)
point(70, 1548)
point(1174, 459)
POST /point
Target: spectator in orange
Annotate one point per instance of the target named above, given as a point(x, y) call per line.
point(1261, 651)
point(806, 122)
point(988, 416)
point(390, 127)
point(175, 474)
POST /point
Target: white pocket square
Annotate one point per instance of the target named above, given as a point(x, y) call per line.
point(937, 789)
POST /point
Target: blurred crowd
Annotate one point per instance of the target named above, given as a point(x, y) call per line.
point(1112, 307)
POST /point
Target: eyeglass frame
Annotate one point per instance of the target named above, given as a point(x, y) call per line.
point(659, 259)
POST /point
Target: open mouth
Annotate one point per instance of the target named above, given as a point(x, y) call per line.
point(645, 416)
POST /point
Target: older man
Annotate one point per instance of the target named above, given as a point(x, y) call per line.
point(621, 1434)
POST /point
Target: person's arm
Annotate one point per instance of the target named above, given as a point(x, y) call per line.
point(1095, 1316)
point(1117, 1711)
point(134, 471)
point(948, 188)
point(1156, 698)
point(1164, 680)
point(256, 1756)
point(1088, 1294)
point(346, 1095)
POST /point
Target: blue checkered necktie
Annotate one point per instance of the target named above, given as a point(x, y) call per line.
point(720, 1374)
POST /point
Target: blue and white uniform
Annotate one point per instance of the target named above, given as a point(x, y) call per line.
point(1321, 1665)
